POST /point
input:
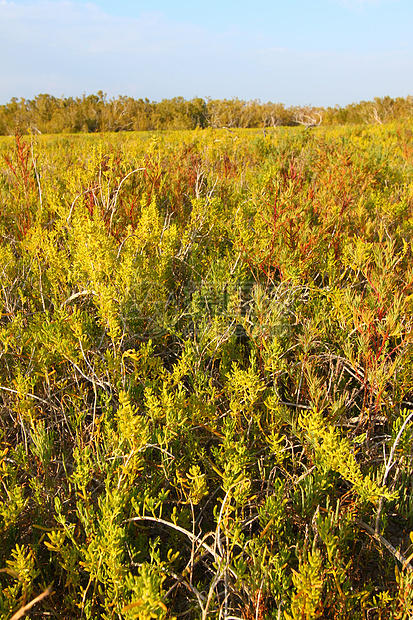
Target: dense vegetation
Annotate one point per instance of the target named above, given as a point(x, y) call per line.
point(94, 113)
point(206, 374)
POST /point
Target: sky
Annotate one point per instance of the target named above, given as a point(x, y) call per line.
point(297, 52)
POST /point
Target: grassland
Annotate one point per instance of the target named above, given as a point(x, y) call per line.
point(206, 374)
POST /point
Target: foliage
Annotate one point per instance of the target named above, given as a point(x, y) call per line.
point(95, 113)
point(206, 372)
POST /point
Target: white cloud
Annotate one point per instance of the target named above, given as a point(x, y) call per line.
point(67, 48)
point(86, 28)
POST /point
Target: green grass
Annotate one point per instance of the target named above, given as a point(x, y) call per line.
point(206, 374)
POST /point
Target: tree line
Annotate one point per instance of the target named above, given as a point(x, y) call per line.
point(96, 113)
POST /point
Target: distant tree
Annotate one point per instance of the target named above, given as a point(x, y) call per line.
point(308, 116)
point(92, 113)
point(197, 110)
point(275, 114)
point(229, 113)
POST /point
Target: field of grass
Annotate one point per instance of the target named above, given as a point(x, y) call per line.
point(206, 374)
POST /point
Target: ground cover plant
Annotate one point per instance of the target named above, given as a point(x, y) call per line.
point(206, 374)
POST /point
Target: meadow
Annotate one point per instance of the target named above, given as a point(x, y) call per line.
point(206, 374)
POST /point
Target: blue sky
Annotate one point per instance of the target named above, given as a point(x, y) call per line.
point(298, 52)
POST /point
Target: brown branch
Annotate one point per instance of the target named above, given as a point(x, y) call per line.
point(20, 613)
point(399, 557)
